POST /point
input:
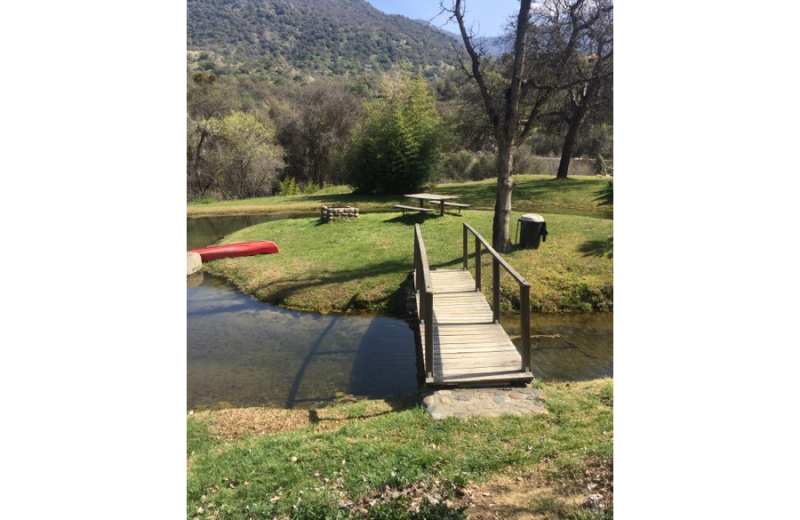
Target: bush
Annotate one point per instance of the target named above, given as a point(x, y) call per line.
point(398, 149)
point(525, 162)
point(485, 167)
point(288, 186)
point(456, 166)
point(311, 188)
point(600, 167)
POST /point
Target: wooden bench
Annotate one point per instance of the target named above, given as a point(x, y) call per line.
point(412, 208)
point(453, 205)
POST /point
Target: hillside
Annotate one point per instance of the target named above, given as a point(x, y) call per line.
point(334, 37)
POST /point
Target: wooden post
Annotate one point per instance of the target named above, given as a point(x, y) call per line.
point(441, 207)
point(466, 253)
point(416, 263)
point(428, 297)
point(525, 325)
point(477, 264)
point(420, 278)
point(496, 290)
point(421, 203)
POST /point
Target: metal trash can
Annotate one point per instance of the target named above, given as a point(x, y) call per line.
point(533, 228)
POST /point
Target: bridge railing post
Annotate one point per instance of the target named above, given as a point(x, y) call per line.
point(428, 297)
point(477, 264)
point(525, 325)
point(466, 252)
point(496, 290)
point(418, 282)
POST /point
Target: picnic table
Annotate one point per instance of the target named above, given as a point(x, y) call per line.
point(422, 197)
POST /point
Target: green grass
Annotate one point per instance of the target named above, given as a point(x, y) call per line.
point(537, 193)
point(283, 203)
point(262, 476)
point(531, 193)
point(361, 264)
point(198, 438)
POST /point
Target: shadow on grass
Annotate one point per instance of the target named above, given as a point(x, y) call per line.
point(598, 248)
point(289, 286)
point(397, 404)
point(606, 195)
point(411, 219)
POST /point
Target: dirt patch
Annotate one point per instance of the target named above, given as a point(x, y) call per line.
point(540, 494)
point(233, 423)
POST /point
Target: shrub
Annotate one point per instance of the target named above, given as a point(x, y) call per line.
point(456, 166)
point(485, 167)
point(311, 187)
point(398, 149)
point(288, 186)
point(525, 162)
point(600, 167)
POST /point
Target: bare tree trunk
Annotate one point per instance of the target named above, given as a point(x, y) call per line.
point(566, 150)
point(201, 189)
point(504, 117)
point(501, 224)
point(573, 124)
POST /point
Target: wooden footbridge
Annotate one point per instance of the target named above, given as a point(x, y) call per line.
point(460, 334)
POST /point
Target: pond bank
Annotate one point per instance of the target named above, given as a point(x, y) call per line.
point(362, 265)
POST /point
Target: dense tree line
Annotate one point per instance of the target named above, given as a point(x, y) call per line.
point(232, 150)
point(385, 132)
point(311, 132)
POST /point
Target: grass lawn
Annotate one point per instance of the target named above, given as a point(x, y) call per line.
point(361, 264)
point(373, 459)
point(531, 193)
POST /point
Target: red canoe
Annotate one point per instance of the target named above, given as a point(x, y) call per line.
point(261, 247)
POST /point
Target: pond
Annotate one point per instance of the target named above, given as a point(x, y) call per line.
point(242, 352)
point(204, 231)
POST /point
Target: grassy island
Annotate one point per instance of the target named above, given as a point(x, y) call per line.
point(361, 264)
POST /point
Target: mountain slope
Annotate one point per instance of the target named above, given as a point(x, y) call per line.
point(323, 36)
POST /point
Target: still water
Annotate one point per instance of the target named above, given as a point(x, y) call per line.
point(204, 231)
point(241, 352)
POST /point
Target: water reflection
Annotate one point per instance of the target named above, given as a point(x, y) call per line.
point(568, 347)
point(245, 353)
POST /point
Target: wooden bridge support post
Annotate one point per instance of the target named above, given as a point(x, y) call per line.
point(525, 325)
point(466, 253)
point(428, 297)
point(477, 264)
point(496, 290)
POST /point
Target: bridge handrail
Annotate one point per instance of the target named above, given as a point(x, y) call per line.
point(524, 288)
point(424, 287)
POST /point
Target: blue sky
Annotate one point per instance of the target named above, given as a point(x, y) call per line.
point(490, 15)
